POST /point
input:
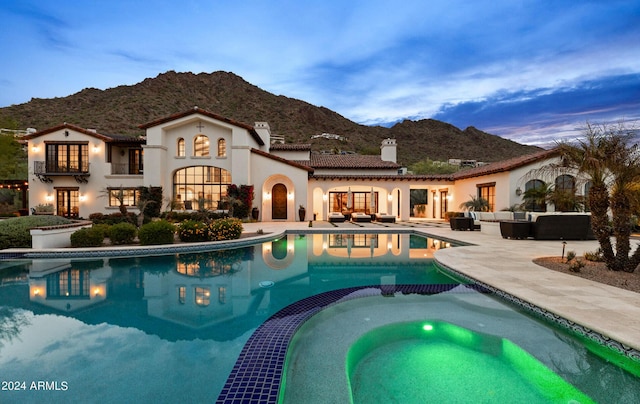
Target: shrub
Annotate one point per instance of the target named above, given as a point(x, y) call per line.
point(595, 256)
point(113, 218)
point(576, 266)
point(570, 255)
point(193, 231)
point(225, 229)
point(158, 232)
point(14, 232)
point(103, 227)
point(88, 237)
point(122, 233)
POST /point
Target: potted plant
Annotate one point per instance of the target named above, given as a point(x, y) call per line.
point(302, 213)
point(44, 209)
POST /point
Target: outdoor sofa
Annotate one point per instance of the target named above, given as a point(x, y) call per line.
point(561, 226)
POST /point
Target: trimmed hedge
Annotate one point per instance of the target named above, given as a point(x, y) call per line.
point(14, 232)
point(158, 232)
point(88, 237)
point(122, 233)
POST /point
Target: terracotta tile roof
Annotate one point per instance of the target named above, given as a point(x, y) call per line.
point(505, 165)
point(400, 177)
point(281, 160)
point(101, 136)
point(196, 110)
point(289, 147)
point(347, 161)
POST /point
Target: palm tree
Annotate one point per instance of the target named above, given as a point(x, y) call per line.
point(475, 204)
point(612, 163)
point(536, 197)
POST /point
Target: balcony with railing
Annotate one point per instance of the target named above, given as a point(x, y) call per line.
point(125, 169)
point(44, 170)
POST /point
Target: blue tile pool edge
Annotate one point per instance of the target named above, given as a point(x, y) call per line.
point(257, 374)
point(563, 323)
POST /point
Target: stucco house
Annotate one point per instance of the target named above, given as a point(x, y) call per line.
point(194, 155)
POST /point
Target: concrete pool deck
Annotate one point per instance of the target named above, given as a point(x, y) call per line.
point(507, 265)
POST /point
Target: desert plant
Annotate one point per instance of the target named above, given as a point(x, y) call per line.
point(157, 232)
point(225, 229)
point(193, 231)
point(87, 237)
point(570, 255)
point(594, 256)
point(576, 266)
point(122, 233)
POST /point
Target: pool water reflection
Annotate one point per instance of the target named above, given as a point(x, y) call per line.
point(169, 327)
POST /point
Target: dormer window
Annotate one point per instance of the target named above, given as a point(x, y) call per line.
point(222, 148)
point(201, 145)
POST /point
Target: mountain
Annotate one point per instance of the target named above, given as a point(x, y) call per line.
point(121, 109)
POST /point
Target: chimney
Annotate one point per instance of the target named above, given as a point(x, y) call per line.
point(388, 150)
point(263, 130)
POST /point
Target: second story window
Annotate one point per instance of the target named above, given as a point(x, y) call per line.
point(67, 157)
point(222, 148)
point(136, 161)
point(201, 145)
point(181, 150)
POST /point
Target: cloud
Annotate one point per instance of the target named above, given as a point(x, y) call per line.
point(535, 116)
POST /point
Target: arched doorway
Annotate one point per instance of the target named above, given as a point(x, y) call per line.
point(279, 202)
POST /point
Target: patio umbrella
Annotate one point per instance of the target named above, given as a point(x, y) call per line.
point(373, 201)
point(349, 199)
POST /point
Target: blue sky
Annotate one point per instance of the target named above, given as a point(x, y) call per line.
point(532, 71)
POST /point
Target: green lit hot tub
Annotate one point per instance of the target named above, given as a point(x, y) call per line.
point(435, 361)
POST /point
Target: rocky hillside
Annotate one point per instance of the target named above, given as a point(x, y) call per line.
point(122, 109)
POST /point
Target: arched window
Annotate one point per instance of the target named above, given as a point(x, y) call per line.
point(564, 196)
point(201, 187)
point(181, 150)
point(201, 145)
point(565, 182)
point(222, 148)
point(535, 196)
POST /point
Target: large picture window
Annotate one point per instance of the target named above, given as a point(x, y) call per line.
point(201, 187)
point(353, 202)
point(67, 157)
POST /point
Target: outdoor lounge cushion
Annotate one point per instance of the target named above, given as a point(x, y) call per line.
point(383, 217)
point(360, 217)
point(336, 217)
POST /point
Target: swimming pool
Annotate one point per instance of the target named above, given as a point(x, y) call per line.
point(152, 328)
point(171, 327)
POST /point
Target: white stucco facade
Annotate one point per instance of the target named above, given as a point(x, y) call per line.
point(195, 154)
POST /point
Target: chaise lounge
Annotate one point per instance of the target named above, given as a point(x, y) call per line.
point(360, 217)
point(384, 218)
point(336, 217)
